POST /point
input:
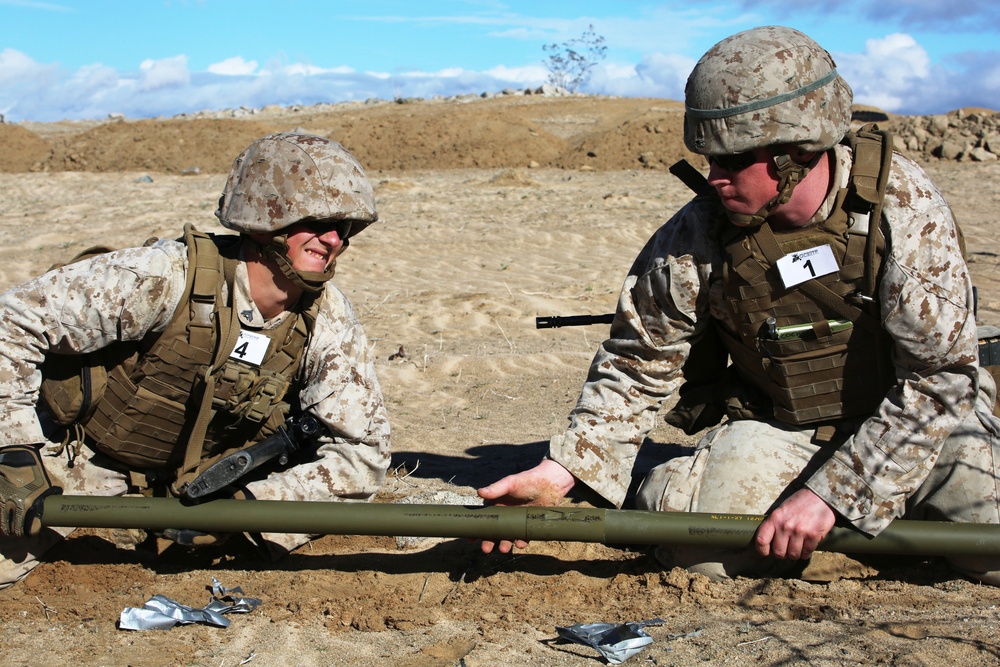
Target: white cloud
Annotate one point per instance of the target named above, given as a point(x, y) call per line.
point(235, 66)
point(656, 75)
point(667, 71)
point(447, 72)
point(16, 67)
point(531, 74)
point(894, 73)
point(164, 73)
point(301, 69)
point(888, 73)
point(92, 81)
point(25, 83)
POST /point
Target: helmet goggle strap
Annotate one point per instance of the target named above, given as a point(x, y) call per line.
point(790, 174)
point(308, 281)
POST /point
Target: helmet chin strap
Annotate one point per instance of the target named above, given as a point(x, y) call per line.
point(308, 281)
point(790, 174)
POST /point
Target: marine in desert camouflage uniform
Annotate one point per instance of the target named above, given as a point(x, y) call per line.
point(768, 109)
point(295, 200)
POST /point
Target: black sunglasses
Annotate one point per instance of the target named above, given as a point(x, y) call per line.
point(733, 163)
point(319, 227)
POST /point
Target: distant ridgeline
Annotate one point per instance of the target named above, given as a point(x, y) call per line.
point(541, 128)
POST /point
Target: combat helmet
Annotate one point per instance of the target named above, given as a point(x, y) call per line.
point(288, 177)
point(769, 86)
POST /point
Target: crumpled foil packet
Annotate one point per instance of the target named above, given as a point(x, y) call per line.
point(617, 643)
point(162, 613)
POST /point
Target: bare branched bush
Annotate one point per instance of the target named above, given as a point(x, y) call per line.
point(571, 62)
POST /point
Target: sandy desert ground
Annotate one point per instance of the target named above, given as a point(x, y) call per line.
point(448, 285)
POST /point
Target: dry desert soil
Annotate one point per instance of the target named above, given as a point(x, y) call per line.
point(493, 212)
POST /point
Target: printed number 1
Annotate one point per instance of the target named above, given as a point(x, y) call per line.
point(809, 265)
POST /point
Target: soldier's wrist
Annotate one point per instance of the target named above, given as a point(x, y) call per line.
point(558, 474)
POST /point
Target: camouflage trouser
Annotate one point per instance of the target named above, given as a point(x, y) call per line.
point(746, 467)
point(88, 477)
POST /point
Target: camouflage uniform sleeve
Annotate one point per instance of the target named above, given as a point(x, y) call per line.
point(926, 303)
point(76, 309)
point(341, 388)
point(663, 305)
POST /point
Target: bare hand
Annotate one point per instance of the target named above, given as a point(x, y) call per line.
point(796, 527)
point(545, 485)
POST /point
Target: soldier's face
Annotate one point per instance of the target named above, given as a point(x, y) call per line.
point(312, 246)
point(744, 185)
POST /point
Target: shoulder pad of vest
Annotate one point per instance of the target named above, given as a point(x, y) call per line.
point(872, 148)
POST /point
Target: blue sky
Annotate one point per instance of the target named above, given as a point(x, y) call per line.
point(74, 59)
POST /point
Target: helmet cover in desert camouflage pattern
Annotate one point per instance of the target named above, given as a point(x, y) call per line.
point(287, 177)
point(765, 86)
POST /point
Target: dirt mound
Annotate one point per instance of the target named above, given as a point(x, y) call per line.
point(22, 149)
point(651, 140)
point(579, 132)
point(600, 133)
point(170, 146)
point(461, 138)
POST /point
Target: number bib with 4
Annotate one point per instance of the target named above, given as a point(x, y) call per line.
point(251, 347)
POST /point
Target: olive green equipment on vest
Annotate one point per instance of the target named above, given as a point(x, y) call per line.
point(932, 538)
point(169, 406)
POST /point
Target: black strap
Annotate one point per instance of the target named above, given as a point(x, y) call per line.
point(692, 178)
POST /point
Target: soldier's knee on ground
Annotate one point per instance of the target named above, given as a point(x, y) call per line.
point(671, 486)
point(983, 569)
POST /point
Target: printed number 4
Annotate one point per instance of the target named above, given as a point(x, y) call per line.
point(251, 348)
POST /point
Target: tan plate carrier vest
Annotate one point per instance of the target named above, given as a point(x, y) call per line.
point(823, 375)
point(170, 405)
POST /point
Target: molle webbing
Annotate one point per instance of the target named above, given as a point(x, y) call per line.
point(247, 403)
point(187, 402)
point(148, 410)
point(168, 406)
point(822, 375)
point(812, 380)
